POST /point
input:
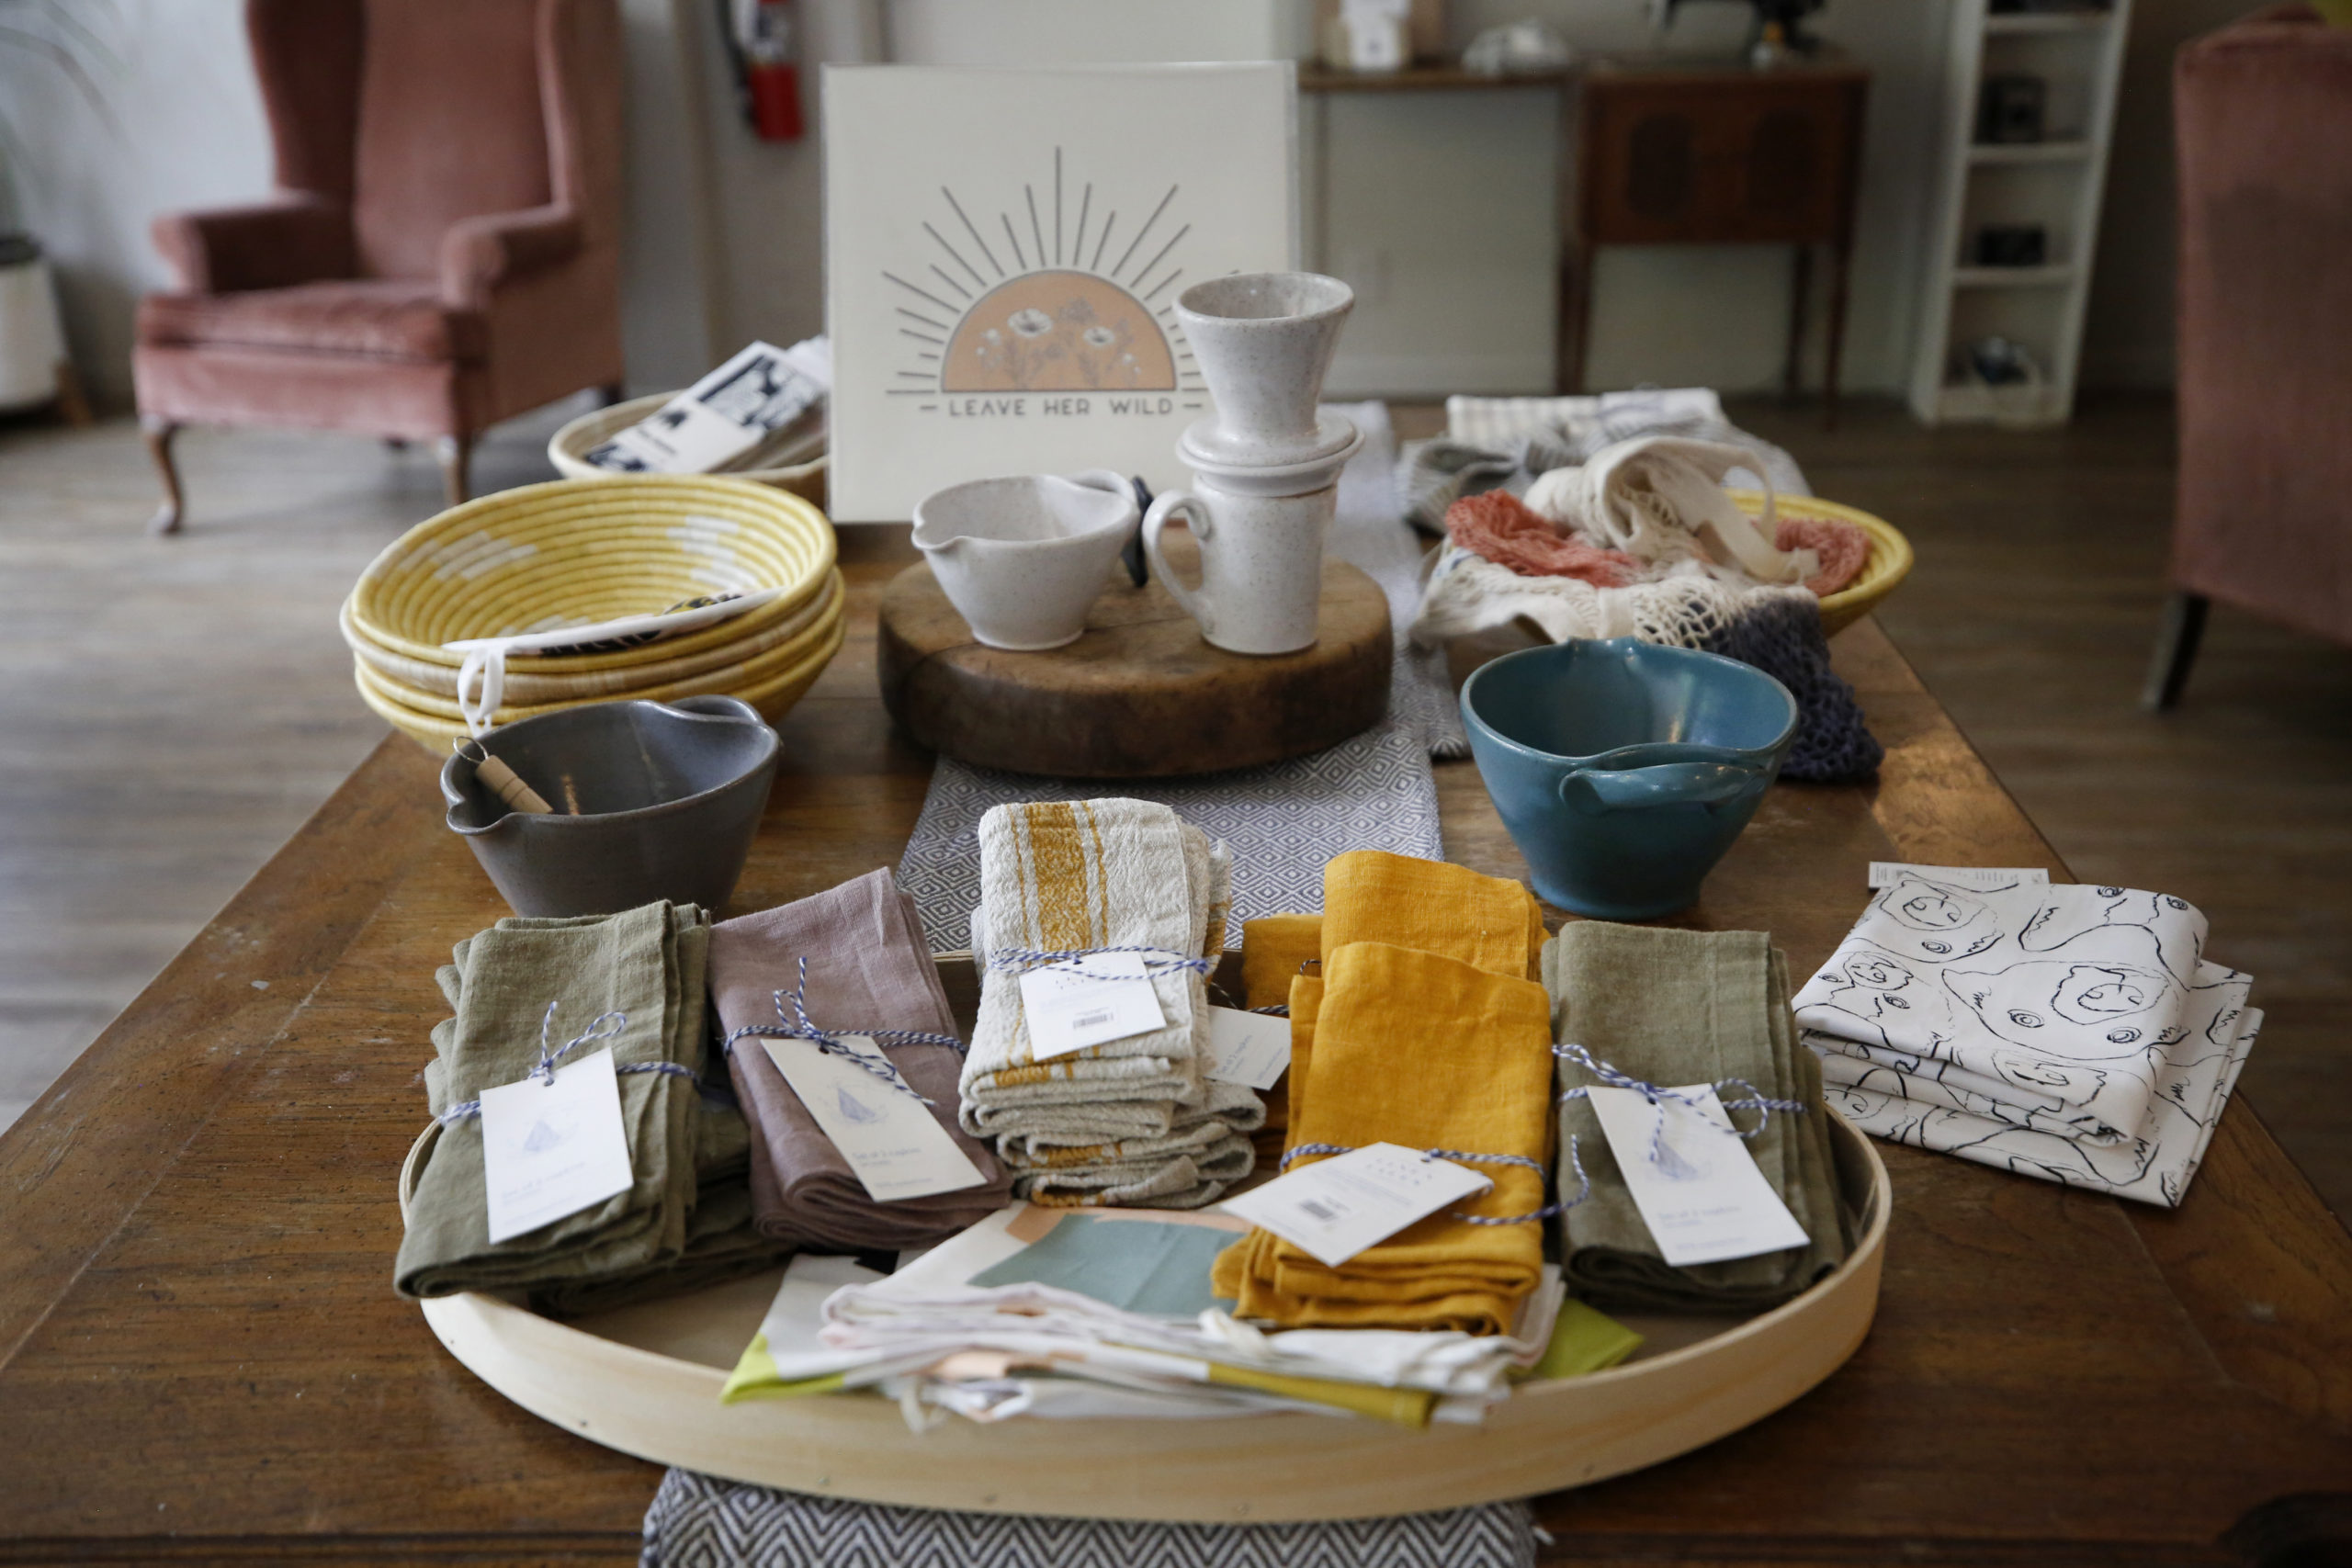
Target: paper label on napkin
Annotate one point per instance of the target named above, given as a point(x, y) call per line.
point(1698, 1187)
point(552, 1149)
point(891, 1140)
point(1336, 1208)
point(1071, 1006)
point(1977, 878)
point(1251, 1048)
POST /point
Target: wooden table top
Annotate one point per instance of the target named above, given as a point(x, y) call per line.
point(202, 1357)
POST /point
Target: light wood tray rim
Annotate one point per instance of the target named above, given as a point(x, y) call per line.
point(1549, 1435)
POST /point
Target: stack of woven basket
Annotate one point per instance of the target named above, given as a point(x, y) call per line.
point(580, 553)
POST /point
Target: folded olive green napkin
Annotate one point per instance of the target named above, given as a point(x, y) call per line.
point(648, 965)
point(1673, 1007)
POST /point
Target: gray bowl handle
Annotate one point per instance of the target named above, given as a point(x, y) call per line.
point(1667, 784)
point(711, 705)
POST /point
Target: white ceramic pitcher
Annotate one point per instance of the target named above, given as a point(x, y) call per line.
point(1261, 564)
point(1024, 559)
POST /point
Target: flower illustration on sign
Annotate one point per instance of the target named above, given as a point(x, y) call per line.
point(1066, 299)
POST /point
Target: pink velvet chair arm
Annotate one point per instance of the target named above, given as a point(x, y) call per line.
point(295, 238)
point(479, 254)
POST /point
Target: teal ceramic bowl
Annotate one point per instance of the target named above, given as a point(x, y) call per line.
point(1625, 770)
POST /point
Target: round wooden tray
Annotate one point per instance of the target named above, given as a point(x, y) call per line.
point(1141, 695)
point(646, 1381)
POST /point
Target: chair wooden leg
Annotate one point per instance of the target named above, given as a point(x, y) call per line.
point(1799, 299)
point(457, 455)
point(159, 434)
point(73, 402)
point(2176, 640)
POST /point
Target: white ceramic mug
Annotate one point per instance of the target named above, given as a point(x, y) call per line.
point(1261, 564)
point(1024, 559)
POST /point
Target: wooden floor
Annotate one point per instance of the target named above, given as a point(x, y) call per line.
point(170, 710)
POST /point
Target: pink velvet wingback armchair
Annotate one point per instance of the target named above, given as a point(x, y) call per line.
point(2263, 113)
point(443, 250)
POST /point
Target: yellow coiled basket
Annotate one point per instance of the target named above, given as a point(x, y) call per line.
point(576, 552)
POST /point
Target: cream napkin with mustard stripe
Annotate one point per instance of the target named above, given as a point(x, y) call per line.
point(1132, 1119)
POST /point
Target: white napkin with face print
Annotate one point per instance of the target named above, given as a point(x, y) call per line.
point(2073, 1033)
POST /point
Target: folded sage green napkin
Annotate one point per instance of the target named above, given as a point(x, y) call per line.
point(1673, 1007)
point(676, 1221)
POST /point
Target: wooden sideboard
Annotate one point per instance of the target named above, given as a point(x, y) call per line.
point(1713, 155)
point(1658, 152)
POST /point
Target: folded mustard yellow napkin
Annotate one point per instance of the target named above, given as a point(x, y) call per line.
point(1442, 1044)
point(1487, 922)
point(1276, 951)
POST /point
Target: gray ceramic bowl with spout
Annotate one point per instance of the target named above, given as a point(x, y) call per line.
point(653, 800)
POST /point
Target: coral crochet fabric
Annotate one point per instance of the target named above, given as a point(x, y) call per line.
point(1501, 527)
point(1840, 547)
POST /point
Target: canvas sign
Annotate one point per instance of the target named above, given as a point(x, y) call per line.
point(1004, 252)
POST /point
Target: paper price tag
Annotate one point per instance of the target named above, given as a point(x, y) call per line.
point(1251, 1048)
point(1704, 1201)
point(552, 1149)
point(1338, 1207)
point(1978, 878)
point(1069, 1011)
point(891, 1140)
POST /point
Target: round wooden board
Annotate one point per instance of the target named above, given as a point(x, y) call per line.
point(1141, 695)
point(646, 1379)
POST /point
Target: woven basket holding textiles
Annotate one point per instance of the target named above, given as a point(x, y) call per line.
point(568, 449)
point(1886, 565)
point(580, 552)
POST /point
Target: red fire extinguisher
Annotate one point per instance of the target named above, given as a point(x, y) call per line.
point(766, 43)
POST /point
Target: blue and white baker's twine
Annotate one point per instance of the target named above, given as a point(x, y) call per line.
point(797, 1025)
point(1156, 961)
point(1755, 1101)
point(603, 1026)
point(1660, 1155)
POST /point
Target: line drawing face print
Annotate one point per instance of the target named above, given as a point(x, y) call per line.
point(1897, 1001)
point(1939, 922)
point(1064, 291)
point(2171, 929)
point(2088, 1012)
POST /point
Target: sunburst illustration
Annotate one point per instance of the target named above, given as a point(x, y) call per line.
point(1058, 296)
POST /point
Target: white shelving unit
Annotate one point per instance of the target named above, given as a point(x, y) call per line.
point(2055, 182)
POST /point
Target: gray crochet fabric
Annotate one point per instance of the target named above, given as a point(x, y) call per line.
point(700, 1522)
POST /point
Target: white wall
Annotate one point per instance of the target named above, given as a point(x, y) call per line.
point(181, 126)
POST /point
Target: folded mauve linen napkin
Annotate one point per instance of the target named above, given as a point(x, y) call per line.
point(645, 963)
point(868, 969)
point(1673, 1007)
